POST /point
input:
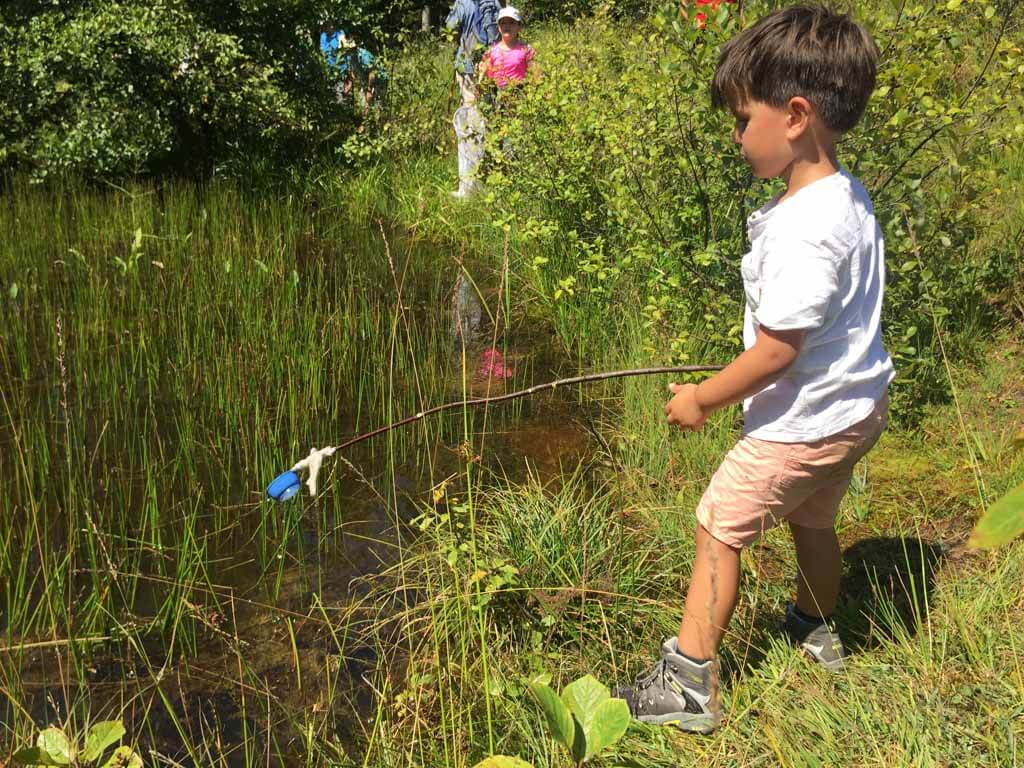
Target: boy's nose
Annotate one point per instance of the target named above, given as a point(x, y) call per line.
point(737, 135)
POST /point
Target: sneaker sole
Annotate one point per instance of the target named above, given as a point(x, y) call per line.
point(684, 721)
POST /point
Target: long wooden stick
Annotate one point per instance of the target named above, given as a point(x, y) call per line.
point(54, 643)
point(532, 391)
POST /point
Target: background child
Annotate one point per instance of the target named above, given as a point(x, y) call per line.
point(358, 69)
point(814, 376)
point(510, 59)
point(475, 22)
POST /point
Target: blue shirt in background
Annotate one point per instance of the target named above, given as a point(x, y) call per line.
point(341, 58)
point(329, 45)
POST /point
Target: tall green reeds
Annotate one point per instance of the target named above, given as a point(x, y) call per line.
point(166, 352)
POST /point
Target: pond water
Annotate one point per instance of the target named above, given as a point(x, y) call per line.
point(146, 407)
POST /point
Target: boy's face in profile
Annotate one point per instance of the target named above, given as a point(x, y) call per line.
point(764, 134)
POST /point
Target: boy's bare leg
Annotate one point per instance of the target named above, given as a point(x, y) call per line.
point(820, 563)
point(681, 689)
point(711, 599)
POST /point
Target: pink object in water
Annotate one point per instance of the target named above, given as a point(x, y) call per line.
point(492, 364)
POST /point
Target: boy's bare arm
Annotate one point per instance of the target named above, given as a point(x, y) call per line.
point(773, 352)
point(748, 374)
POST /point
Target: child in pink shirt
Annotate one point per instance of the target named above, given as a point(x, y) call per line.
point(510, 59)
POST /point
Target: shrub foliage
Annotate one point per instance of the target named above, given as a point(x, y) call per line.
point(117, 88)
point(625, 189)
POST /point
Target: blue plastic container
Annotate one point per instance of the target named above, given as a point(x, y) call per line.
point(284, 486)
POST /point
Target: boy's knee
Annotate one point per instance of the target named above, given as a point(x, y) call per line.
point(703, 534)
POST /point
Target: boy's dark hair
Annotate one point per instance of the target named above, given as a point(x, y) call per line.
point(802, 50)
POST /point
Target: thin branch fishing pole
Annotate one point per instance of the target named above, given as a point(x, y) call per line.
point(287, 483)
point(530, 391)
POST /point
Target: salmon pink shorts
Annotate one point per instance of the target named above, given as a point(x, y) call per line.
point(760, 483)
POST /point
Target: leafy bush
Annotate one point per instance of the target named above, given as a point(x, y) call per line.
point(114, 89)
point(422, 99)
point(574, 9)
point(625, 189)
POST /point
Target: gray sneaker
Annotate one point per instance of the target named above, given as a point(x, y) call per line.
point(816, 640)
point(676, 692)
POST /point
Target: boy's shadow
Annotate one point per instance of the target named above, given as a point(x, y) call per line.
point(887, 589)
point(886, 592)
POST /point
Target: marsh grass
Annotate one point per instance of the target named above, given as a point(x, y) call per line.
point(167, 351)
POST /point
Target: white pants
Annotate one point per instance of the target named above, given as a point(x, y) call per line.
point(469, 128)
point(467, 88)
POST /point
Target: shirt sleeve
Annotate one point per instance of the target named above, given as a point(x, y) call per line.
point(799, 279)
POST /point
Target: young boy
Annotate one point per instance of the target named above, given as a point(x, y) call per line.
point(814, 376)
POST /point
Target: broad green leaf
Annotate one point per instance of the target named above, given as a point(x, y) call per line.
point(33, 756)
point(502, 761)
point(610, 721)
point(123, 757)
point(560, 722)
point(583, 697)
point(1002, 522)
point(53, 742)
point(579, 742)
point(101, 736)
point(544, 678)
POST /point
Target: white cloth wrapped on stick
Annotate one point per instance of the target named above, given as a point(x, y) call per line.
point(312, 464)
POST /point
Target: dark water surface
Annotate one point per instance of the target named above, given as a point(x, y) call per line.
point(143, 414)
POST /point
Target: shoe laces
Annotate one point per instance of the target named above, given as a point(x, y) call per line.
point(659, 671)
point(658, 674)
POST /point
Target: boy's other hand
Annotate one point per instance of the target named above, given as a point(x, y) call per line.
point(683, 409)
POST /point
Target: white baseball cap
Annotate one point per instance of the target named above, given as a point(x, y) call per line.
point(508, 12)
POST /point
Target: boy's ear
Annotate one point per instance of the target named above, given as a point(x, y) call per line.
point(798, 116)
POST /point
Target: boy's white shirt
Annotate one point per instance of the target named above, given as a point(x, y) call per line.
point(817, 262)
